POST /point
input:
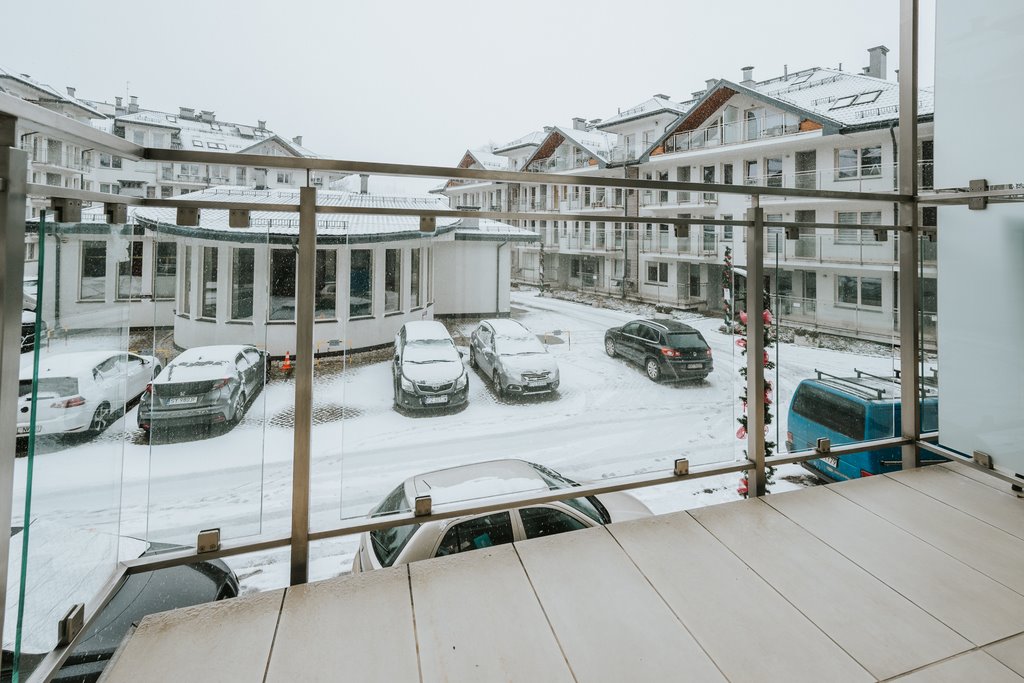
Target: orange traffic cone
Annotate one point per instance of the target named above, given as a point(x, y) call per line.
point(286, 366)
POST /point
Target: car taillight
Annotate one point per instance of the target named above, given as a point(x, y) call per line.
point(865, 473)
point(149, 389)
point(72, 402)
point(221, 384)
point(671, 353)
point(789, 437)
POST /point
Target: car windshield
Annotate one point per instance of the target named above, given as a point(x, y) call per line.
point(430, 351)
point(590, 506)
point(518, 346)
point(59, 386)
point(685, 340)
point(388, 543)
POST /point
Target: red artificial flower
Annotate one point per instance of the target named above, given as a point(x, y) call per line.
point(741, 433)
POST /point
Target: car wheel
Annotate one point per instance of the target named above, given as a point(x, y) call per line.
point(101, 419)
point(653, 369)
point(498, 389)
point(239, 411)
point(609, 347)
point(472, 357)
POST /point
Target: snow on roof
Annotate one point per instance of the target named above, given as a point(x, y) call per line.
point(221, 353)
point(74, 364)
point(201, 135)
point(25, 79)
point(530, 139)
point(849, 99)
point(489, 161)
point(479, 480)
point(276, 222)
point(425, 330)
point(654, 105)
point(503, 327)
point(486, 226)
point(596, 142)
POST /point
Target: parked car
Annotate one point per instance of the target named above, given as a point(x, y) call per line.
point(851, 409)
point(28, 330)
point(82, 392)
point(204, 385)
point(666, 349)
point(71, 565)
point(428, 371)
point(412, 542)
point(513, 358)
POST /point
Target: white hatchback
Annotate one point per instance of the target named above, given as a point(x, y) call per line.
point(83, 391)
point(411, 542)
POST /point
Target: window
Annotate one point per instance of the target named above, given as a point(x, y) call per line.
point(165, 267)
point(683, 176)
point(129, 273)
point(857, 235)
point(209, 273)
point(104, 160)
point(657, 273)
point(360, 288)
point(139, 137)
point(857, 163)
point(727, 174)
point(847, 290)
point(240, 173)
point(866, 97)
point(415, 300)
point(574, 268)
point(545, 521)
point(159, 139)
point(166, 191)
point(186, 283)
point(243, 263)
point(727, 229)
point(92, 286)
point(618, 234)
point(392, 280)
point(847, 163)
point(871, 161)
point(326, 283)
point(284, 177)
point(150, 192)
point(388, 543)
point(482, 532)
point(773, 168)
point(869, 289)
point(282, 284)
point(115, 162)
point(843, 102)
point(751, 172)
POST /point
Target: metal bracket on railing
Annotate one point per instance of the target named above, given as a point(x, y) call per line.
point(428, 223)
point(823, 446)
point(423, 506)
point(881, 235)
point(792, 233)
point(238, 218)
point(71, 625)
point(67, 210)
point(978, 203)
point(983, 459)
point(188, 217)
point(682, 467)
point(208, 541)
point(117, 214)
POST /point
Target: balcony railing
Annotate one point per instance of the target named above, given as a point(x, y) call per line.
point(770, 126)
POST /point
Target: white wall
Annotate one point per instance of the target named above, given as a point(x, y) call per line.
point(464, 277)
point(978, 58)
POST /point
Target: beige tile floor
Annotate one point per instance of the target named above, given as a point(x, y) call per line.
point(917, 574)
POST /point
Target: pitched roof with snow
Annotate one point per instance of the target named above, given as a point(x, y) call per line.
point(596, 143)
point(202, 135)
point(47, 93)
point(489, 161)
point(529, 140)
point(651, 107)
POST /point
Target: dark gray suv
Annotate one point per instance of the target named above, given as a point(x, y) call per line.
point(666, 349)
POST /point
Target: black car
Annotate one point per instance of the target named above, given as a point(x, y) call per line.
point(666, 349)
point(140, 595)
point(28, 330)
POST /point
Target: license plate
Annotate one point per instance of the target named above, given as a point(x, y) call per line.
point(831, 460)
point(537, 383)
point(23, 430)
point(183, 400)
point(430, 400)
point(694, 366)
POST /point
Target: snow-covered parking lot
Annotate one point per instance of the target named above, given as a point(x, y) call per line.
point(607, 420)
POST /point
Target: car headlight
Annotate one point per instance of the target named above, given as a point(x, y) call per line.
point(407, 385)
point(462, 381)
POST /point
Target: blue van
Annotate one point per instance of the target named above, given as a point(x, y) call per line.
point(851, 409)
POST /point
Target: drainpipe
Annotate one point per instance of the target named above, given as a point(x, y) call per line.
point(56, 281)
point(497, 278)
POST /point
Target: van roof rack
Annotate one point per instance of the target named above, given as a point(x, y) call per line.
point(851, 384)
point(860, 385)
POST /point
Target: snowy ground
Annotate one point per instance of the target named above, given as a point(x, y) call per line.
point(608, 420)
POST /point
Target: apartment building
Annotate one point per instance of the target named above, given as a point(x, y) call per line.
point(817, 128)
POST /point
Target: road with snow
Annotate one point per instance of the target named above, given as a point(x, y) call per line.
point(607, 420)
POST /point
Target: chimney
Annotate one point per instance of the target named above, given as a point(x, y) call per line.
point(710, 83)
point(548, 129)
point(579, 123)
point(364, 183)
point(876, 65)
point(118, 102)
point(663, 96)
point(71, 91)
point(261, 125)
point(297, 140)
point(748, 77)
point(207, 116)
point(697, 94)
point(186, 112)
point(133, 104)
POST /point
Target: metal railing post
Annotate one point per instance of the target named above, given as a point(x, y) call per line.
point(909, 286)
point(303, 385)
point(13, 165)
point(756, 477)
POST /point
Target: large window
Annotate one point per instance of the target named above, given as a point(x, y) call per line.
point(360, 289)
point(773, 168)
point(865, 162)
point(857, 235)
point(326, 283)
point(92, 286)
point(859, 291)
point(243, 262)
point(657, 273)
point(751, 172)
point(129, 273)
point(186, 283)
point(282, 284)
point(165, 268)
point(392, 280)
point(209, 272)
point(415, 300)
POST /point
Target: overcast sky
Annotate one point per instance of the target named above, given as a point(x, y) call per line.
point(421, 81)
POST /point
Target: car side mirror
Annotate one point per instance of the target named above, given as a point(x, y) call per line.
point(461, 354)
